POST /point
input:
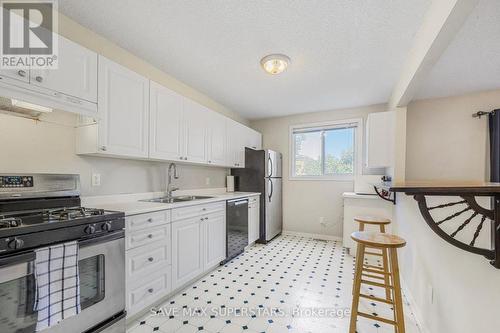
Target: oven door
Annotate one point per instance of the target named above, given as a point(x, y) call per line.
point(102, 283)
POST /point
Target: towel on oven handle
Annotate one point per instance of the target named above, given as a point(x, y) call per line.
point(57, 284)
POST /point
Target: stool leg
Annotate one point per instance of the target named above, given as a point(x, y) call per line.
point(360, 257)
point(398, 300)
point(361, 228)
point(385, 261)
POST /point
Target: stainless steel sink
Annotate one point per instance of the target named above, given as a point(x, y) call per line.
point(182, 198)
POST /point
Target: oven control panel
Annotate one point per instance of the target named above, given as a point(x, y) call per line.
point(16, 181)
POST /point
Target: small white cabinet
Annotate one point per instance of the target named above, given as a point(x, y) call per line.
point(216, 139)
point(236, 144)
point(165, 123)
point(253, 219)
point(123, 108)
point(380, 139)
point(188, 250)
point(76, 73)
point(195, 131)
point(215, 239)
point(198, 240)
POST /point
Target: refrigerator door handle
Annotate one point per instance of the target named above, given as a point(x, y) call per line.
point(270, 165)
point(271, 189)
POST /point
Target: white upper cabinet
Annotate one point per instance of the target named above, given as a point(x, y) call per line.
point(195, 132)
point(253, 139)
point(235, 144)
point(380, 139)
point(123, 107)
point(17, 74)
point(165, 123)
point(216, 139)
point(75, 76)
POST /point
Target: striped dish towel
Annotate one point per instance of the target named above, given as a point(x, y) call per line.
point(57, 284)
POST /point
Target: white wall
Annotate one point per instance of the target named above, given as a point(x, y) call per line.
point(49, 146)
point(445, 142)
point(304, 202)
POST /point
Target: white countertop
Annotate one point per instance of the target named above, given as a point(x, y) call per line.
point(130, 204)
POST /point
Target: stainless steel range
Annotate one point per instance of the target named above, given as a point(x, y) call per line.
point(39, 210)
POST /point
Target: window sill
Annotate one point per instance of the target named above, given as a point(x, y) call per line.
point(319, 178)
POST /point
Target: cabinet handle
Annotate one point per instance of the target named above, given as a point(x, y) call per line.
point(150, 220)
point(201, 219)
point(151, 259)
point(185, 158)
point(150, 290)
point(39, 79)
point(206, 218)
point(150, 236)
point(103, 148)
point(203, 209)
point(21, 73)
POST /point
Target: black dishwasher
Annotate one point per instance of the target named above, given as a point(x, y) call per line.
point(236, 227)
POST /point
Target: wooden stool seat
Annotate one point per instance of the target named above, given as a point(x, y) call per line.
point(378, 239)
point(375, 220)
point(371, 275)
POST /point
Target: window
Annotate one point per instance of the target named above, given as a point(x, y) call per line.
point(324, 151)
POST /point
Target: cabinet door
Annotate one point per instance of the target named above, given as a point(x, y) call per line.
point(380, 139)
point(195, 132)
point(123, 109)
point(76, 74)
point(165, 123)
point(215, 239)
point(235, 144)
point(17, 74)
point(187, 250)
point(253, 221)
point(216, 144)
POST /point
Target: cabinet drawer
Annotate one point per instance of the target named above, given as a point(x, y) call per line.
point(147, 236)
point(142, 221)
point(147, 259)
point(193, 211)
point(147, 292)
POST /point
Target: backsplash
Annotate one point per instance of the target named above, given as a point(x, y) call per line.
point(48, 146)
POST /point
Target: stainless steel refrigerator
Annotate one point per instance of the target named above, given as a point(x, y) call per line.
point(262, 173)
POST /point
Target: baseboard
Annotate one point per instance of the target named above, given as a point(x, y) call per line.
point(414, 309)
point(309, 235)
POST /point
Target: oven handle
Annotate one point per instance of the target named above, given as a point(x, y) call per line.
point(23, 257)
point(101, 239)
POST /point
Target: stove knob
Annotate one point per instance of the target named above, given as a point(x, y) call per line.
point(89, 230)
point(15, 244)
point(106, 226)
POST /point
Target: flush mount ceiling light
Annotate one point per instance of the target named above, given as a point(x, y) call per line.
point(275, 63)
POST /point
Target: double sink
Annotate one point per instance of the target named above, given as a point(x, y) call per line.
point(182, 198)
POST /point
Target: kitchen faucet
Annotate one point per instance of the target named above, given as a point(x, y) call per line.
point(170, 187)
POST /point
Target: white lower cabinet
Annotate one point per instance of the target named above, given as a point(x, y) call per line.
point(148, 259)
point(187, 242)
point(253, 219)
point(199, 241)
point(166, 250)
point(215, 239)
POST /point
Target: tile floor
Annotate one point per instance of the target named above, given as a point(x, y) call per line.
point(293, 284)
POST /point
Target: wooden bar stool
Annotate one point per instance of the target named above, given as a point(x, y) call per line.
point(381, 222)
point(389, 243)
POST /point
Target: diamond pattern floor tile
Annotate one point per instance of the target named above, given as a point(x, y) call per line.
point(281, 287)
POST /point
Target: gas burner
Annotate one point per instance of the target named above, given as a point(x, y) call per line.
point(9, 222)
point(73, 213)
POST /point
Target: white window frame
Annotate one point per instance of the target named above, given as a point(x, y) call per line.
point(358, 149)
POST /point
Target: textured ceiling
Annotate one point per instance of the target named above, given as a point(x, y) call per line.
point(472, 61)
point(344, 53)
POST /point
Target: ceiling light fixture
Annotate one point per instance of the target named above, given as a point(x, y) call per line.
point(275, 63)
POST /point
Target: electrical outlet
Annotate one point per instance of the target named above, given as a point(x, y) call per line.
point(207, 181)
point(322, 221)
point(96, 179)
